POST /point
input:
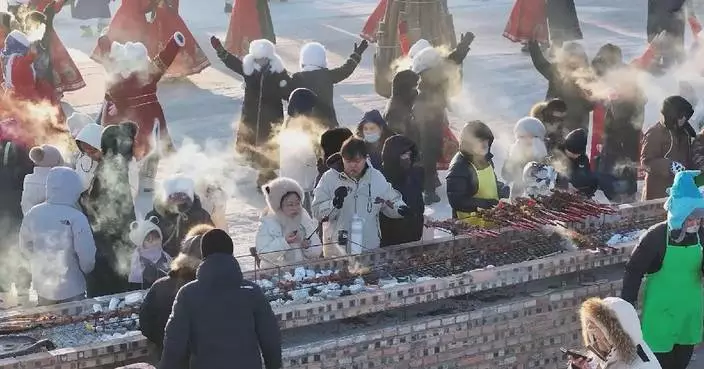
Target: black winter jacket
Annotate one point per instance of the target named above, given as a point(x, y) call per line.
point(409, 182)
point(322, 82)
point(462, 185)
point(156, 307)
point(265, 90)
point(399, 110)
point(175, 226)
point(648, 256)
point(579, 174)
point(578, 104)
point(221, 321)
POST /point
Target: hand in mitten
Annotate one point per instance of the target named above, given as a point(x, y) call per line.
point(217, 45)
point(339, 199)
point(677, 167)
point(359, 48)
point(466, 40)
point(404, 210)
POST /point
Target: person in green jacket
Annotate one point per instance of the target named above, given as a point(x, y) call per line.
point(669, 256)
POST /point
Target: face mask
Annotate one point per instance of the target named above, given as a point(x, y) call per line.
point(372, 137)
point(405, 163)
point(184, 207)
point(151, 245)
point(693, 229)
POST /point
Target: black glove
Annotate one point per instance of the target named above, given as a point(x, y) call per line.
point(50, 12)
point(217, 45)
point(466, 40)
point(359, 48)
point(339, 199)
point(404, 210)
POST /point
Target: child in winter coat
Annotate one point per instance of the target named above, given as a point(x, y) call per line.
point(89, 156)
point(56, 239)
point(44, 158)
point(287, 234)
point(575, 168)
point(149, 260)
point(374, 131)
point(316, 76)
point(529, 145)
point(298, 142)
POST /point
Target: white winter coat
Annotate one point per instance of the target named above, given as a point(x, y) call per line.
point(360, 200)
point(271, 242)
point(619, 321)
point(56, 239)
point(34, 190)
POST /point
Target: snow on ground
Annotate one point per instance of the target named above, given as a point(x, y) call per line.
point(500, 82)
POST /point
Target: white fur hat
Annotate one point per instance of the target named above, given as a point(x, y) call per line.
point(529, 126)
point(179, 184)
point(140, 229)
point(136, 51)
point(261, 49)
point(313, 54)
point(426, 59)
point(275, 190)
point(417, 47)
point(77, 121)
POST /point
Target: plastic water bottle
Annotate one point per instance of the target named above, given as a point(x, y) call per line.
point(356, 235)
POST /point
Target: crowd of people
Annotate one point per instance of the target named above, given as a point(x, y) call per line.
point(86, 215)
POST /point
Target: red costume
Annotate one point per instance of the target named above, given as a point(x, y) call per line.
point(528, 21)
point(128, 24)
point(133, 97)
point(191, 59)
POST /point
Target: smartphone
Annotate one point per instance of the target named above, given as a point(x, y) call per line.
point(596, 352)
point(574, 354)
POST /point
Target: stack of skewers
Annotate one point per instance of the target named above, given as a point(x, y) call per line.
point(19, 324)
point(527, 214)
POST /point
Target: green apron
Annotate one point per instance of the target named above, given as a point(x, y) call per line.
point(673, 308)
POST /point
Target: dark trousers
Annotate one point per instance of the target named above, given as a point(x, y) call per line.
point(678, 358)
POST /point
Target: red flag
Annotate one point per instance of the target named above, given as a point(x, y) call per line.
point(596, 133)
point(250, 20)
point(372, 25)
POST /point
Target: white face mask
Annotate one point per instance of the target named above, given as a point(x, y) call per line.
point(693, 229)
point(152, 245)
point(372, 137)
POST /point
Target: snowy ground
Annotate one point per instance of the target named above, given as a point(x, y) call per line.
point(500, 82)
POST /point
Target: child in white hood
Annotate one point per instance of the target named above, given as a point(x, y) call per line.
point(611, 327)
point(44, 158)
point(90, 154)
point(287, 234)
point(529, 145)
point(149, 260)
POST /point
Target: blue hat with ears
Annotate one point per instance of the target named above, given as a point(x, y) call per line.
point(685, 199)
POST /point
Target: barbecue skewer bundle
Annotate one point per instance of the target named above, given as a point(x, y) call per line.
point(23, 324)
point(527, 214)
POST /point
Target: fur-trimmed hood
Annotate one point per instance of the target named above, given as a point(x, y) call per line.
point(313, 56)
point(275, 191)
point(619, 321)
point(262, 49)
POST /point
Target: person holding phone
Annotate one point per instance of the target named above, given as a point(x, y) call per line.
point(612, 336)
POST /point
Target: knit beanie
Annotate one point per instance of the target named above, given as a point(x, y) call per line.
point(46, 156)
point(216, 241)
point(576, 141)
point(302, 101)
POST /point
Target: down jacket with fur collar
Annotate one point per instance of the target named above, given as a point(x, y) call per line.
point(275, 226)
point(264, 92)
point(618, 320)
